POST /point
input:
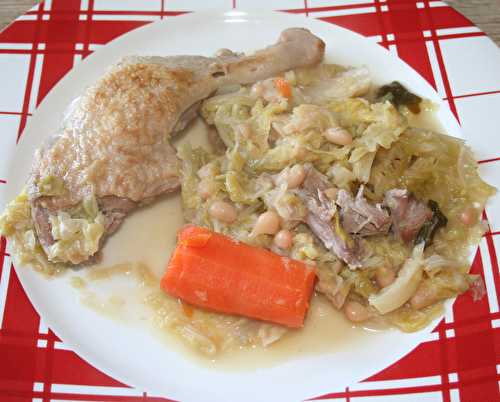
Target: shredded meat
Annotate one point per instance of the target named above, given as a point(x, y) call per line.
point(407, 213)
point(319, 219)
point(40, 216)
point(313, 194)
point(315, 180)
point(360, 217)
point(348, 251)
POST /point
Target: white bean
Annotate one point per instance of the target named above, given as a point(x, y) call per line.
point(283, 239)
point(296, 176)
point(424, 296)
point(207, 188)
point(267, 223)
point(384, 276)
point(223, 211)
point(355, 311)
point(468, 217)
point(338, 135)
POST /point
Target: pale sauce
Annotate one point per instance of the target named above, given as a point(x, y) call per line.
point(326, 330)
point(426, 119)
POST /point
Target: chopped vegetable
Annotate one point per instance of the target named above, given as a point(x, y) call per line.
point(51, 185)
point(409, 320)
point(283, 87)
point(76, 232)
point(429, 228)
point(447, 284)
point(396, 294)
point(361, 281)
point(398, 95)
point(215, 272)
point(17, 225)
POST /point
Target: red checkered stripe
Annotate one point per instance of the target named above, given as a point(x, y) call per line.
point(458, 361)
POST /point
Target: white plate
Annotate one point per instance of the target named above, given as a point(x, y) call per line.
point(131, 354)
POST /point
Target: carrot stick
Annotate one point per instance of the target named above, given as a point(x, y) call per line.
point(215, 272)
point(283, 87)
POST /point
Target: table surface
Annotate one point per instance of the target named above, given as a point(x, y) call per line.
point(484, 13)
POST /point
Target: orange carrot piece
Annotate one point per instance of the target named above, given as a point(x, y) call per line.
point(215, 272)
point(186, 309)
point(196, 240)
point(283, 87)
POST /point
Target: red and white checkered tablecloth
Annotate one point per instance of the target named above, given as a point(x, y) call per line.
point(460, 361)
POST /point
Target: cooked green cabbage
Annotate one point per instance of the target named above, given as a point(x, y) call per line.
point(17, 226)
point(51, 185)
point(76, 232)
point(76, 239)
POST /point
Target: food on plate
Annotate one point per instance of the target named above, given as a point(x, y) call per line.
point(112, 152)
point(213, 271)
point(322, 165)
point(316, 177)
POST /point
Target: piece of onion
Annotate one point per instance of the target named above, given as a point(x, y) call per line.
point(399, 292)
